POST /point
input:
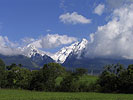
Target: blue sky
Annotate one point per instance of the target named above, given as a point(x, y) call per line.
point(52, 24)
point(32, 18)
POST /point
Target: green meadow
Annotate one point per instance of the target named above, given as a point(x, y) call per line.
point(85, 78)
point(6, 94)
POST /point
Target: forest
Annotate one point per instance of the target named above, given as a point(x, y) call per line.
point(114, 78)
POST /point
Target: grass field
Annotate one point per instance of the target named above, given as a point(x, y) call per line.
point(28, 95)
point(86, 78)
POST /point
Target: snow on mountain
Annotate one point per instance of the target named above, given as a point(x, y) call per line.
point(31, 50)
point(60, 56)
point(75, 48)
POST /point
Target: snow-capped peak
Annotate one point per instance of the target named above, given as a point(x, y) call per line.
point(31, 50)
point(81, 46)
point(75, 48)
point(60, 56)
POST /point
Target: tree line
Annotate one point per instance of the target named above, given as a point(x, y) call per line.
point(113, 79)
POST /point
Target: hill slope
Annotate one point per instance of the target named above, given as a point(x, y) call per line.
point(19, 59)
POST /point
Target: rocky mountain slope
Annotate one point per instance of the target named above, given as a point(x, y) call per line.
point(75, 48)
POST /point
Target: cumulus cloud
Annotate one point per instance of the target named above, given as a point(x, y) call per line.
point(116, 37)
point(46, 42)
point(27, 40)
point(53, 41)
point(99, 9)
point(74, 18)
point(113, 4)
point(7, 47)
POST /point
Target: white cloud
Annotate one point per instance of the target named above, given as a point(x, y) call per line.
point(74, 18)
point(116, 37)
point(7, 47)
point(53, 41)
point(99, 9)
point(46, 42)
point(27, 40)
point(113, 4)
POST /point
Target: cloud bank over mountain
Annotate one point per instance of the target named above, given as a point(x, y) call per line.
point(116, 37)
point(7, 47)
point(49, 41)
point(53, 41)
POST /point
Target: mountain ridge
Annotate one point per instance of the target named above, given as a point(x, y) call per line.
point(70, 56)
point(75, 48)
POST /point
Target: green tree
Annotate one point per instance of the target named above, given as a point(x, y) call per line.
point(18, 77)
point(13, 65)
point(36, 82)
point(70, 83)
point(108, 82)
point(81, 71)
point(45, 79)
point(126, 80)
point(109, 79)
point(2, 73)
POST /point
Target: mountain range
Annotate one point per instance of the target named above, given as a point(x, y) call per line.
point(72, 56)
